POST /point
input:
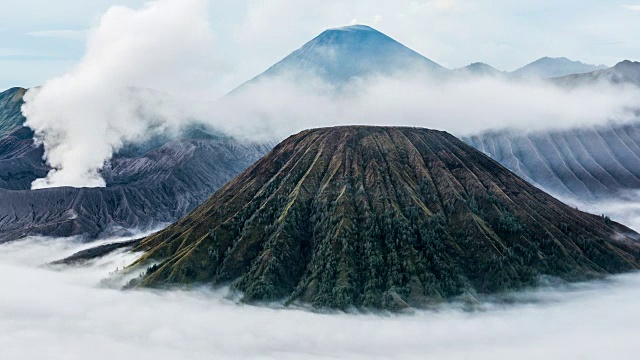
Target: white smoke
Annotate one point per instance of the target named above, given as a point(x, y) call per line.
point(66, 314)
point(85, 115)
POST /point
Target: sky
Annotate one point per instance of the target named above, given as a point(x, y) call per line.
point(41, 39)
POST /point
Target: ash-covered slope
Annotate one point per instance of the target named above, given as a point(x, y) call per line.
point(584, 164)
point(382, 217)
point(147, 185)
point(20, 160)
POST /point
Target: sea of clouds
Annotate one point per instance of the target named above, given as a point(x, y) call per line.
point(72, 313)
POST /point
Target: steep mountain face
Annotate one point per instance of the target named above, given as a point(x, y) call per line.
point(586, 164)
point(625, 72)
point(20, 160)
point(10, 115)
point(381, 217)
point(339, 55)
point(547, 67)
point(147, 185)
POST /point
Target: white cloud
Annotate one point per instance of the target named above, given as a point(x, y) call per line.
point(279, 107)
point(632, 7)
point(67, 314)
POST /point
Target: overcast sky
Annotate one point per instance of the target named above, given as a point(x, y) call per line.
point(42, 38)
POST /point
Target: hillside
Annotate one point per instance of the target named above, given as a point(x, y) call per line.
point(148, 185)
point(381, 217)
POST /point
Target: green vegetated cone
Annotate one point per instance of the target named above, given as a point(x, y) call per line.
point(382, 218)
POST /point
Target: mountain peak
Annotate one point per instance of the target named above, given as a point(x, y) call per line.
point(341, 54)
point(627, 64)
point(381, 217)
point(355, 27)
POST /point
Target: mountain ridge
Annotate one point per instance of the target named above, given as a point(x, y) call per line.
point(624, 72)
point(548, 67)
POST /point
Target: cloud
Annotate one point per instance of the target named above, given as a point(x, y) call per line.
point(278, 107)
point(632, 7)
point(63, 34)
point(70, 314)
point(91, 111)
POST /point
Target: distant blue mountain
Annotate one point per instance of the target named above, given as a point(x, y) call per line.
point(341, 54)
point(547, 67)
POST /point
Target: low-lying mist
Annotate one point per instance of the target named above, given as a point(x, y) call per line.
point(69, 313)
point(86, 115)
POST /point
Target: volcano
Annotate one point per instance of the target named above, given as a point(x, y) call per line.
point(339, 55)
point(382, 218)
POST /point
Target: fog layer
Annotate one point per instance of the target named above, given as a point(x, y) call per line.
point(67, 314)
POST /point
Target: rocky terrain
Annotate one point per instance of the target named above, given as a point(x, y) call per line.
point(147, 185)
point(381, 217)
point(587, 163)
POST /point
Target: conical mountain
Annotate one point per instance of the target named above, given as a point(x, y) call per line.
point(382, 217)
point(341, 54)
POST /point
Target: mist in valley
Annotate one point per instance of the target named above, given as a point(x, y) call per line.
point(72, 312)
